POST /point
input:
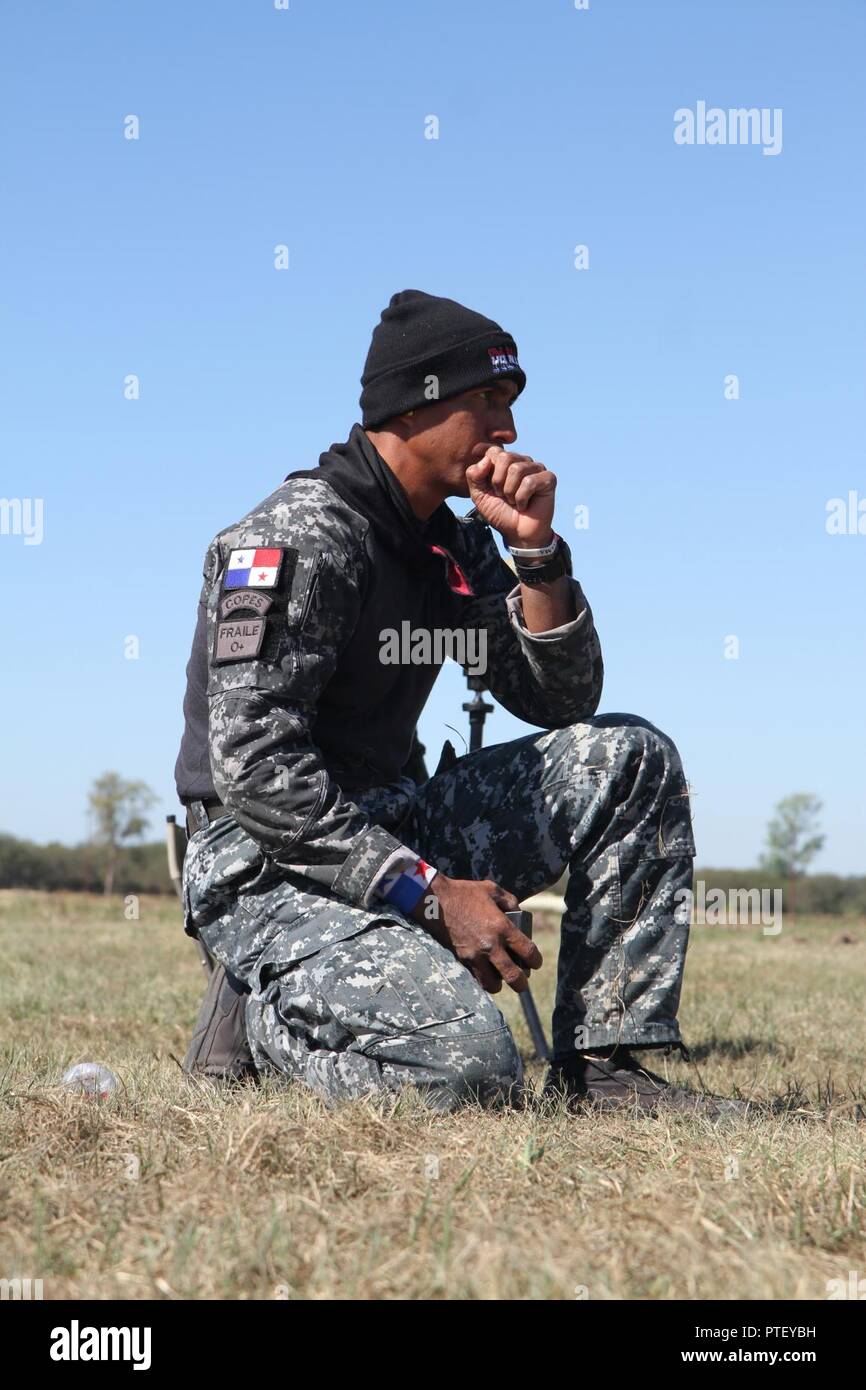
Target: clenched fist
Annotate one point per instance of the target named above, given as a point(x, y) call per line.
point(515, 495)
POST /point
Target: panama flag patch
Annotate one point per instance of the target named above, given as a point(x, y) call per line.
point(253, 569)
point(407, 886)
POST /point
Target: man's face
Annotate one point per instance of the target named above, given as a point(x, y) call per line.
point(450, 435)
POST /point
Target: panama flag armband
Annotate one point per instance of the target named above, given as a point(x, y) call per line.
point(405, 885)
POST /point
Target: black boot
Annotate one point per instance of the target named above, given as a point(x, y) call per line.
point(613, 1079)
point(219, 1049)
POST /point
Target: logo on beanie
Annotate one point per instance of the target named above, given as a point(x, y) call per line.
point(502, 361)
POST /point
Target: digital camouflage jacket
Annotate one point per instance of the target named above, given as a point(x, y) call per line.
point(293, 718)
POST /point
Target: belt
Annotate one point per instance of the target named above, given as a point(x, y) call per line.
point(200, 814)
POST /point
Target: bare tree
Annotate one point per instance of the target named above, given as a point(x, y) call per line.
point(118, 810)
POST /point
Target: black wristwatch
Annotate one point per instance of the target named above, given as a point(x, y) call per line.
point(543, 574)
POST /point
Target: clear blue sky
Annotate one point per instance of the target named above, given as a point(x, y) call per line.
point(306, 127)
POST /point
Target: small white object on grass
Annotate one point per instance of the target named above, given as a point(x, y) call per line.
point(90, 1078)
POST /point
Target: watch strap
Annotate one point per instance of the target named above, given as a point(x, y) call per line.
point(542, 553)
point(552, 569)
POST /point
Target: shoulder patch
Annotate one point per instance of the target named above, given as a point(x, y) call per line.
point(239, 640)
point(245, 600)
point(255, 568)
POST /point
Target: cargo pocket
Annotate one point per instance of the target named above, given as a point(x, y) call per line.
point(290, 925)
point(386, 982)
point(221, 861)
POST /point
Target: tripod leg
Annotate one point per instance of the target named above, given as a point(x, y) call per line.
point(533, 1022)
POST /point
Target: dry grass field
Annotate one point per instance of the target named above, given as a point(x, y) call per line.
point(175, 1190)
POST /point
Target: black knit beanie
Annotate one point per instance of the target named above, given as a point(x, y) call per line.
point(426, 349)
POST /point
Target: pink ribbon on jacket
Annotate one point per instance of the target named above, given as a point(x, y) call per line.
point(457, 581)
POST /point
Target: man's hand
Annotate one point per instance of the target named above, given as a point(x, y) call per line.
point(470, 920)
point(515, 495)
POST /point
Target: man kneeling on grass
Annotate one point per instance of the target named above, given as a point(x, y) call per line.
point(355, 905)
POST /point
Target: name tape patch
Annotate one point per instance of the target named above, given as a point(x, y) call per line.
point(240, 640)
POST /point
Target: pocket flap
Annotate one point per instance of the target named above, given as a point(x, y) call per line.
point(300, 927)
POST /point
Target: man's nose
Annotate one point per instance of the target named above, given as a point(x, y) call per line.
point(504, 432)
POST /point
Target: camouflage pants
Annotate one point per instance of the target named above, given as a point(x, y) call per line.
point(351, 1000)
